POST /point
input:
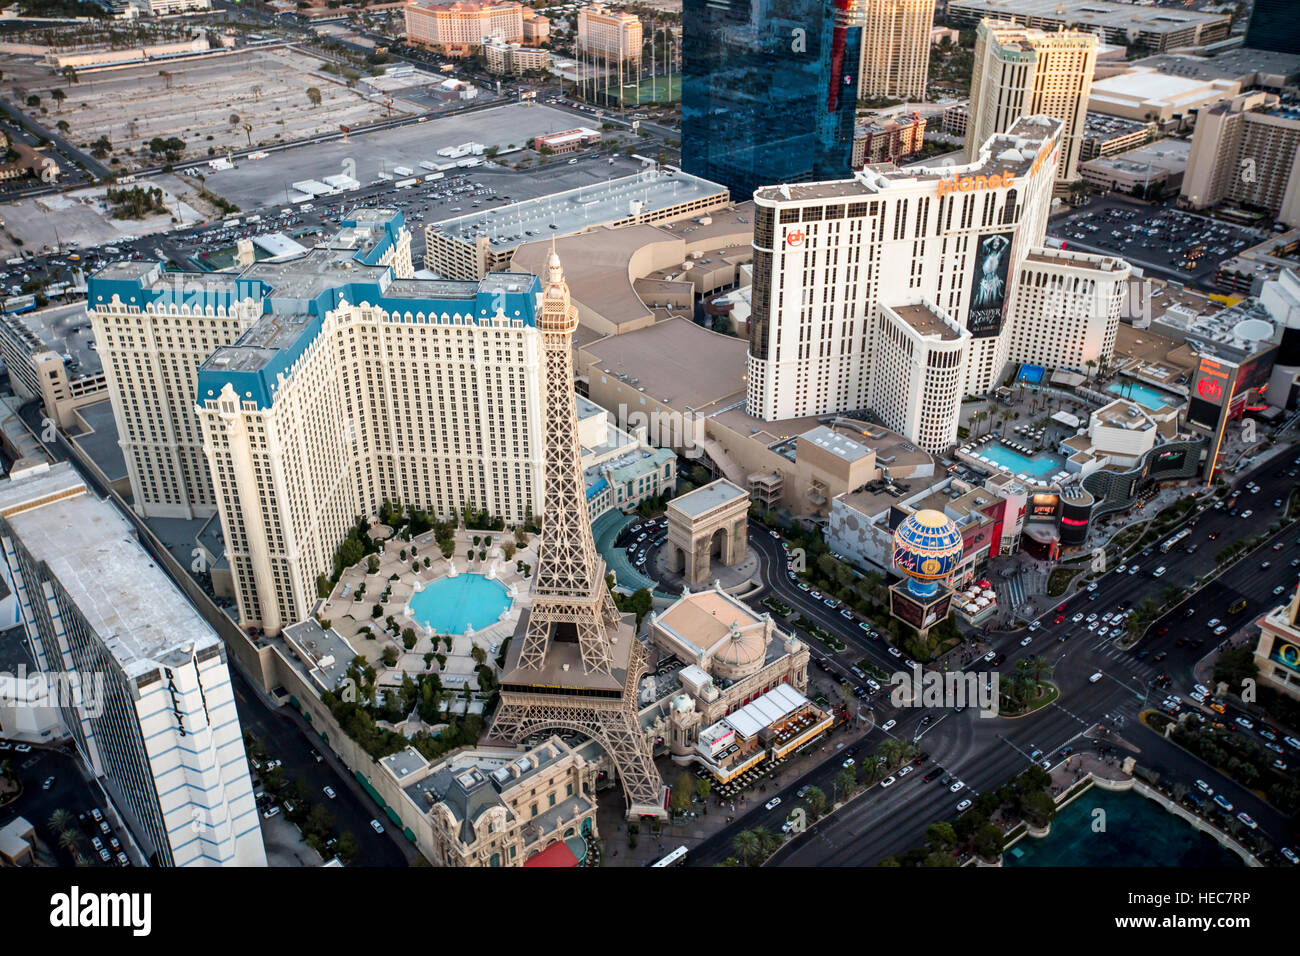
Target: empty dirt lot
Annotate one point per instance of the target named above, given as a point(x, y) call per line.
point(195, 100)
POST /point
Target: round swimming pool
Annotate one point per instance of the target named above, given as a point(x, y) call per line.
point(453, 605)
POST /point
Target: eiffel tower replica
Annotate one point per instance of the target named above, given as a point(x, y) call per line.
point(579, 662)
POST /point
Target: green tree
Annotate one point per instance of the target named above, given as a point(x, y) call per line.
point(816, 798)
point(347, 847)
point(313, 96)
point(941, 835)
point(682, 792)
point(746, 845)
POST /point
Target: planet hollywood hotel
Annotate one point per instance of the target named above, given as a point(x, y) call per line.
point(906, 273)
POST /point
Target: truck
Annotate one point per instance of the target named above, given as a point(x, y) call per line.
point(402, 170)
point(405, 183)
point(431, 167)
point(433, 177)
point(260, 154)
point(467, 163)
point(252, 219)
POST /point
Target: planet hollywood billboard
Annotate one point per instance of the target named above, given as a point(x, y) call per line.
point(988, 284)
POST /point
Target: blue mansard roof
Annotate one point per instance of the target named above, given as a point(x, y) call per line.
point(295, 295)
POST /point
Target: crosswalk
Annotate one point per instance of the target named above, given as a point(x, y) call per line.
point(1143, 669)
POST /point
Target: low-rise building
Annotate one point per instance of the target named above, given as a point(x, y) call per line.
point(1148, 95)
point(956, 119)
point(1106, 135)
point(503, 57)
point(567, 141)
point(472, 245)
point(888, 139)
point(497, 806)
point(1152, 171)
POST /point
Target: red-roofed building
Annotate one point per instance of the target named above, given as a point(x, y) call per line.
point(555, 855)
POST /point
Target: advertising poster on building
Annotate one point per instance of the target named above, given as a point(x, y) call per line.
point(1043, 506)
point(988, 285)
point(1168, 461)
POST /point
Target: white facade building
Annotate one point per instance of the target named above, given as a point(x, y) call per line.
point(140, 679)
point(1020, 71)
point(152, 344)
point(355, 387)
point(1065, 309)
point(919, 373)
point(829, 255)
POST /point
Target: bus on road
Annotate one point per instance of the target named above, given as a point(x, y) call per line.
point(676, 858)
point(1173, 542)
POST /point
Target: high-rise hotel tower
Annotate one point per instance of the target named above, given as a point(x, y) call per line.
point(889, 291)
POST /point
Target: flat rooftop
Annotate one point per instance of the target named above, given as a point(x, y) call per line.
point(705, 499)
point(134, 608)
point(1082, 14)
point(926, 322)
point(1243, 64)
point(1013, 151)
point(575, 210)
point(63, 329)
point(1105, 126)
point(841, 446)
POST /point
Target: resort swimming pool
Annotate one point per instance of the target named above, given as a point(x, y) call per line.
point(1036, 467)
point(453, 605)
point(1146, 396)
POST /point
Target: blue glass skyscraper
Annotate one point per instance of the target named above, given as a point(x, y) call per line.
point(1274, 25)
point(769, 91)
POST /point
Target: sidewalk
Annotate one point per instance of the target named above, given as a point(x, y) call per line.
point(707, 822)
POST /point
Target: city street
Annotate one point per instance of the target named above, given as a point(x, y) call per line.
point(984, 752)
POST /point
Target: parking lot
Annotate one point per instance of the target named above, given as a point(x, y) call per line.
point(261, 182)
point(1173, 243)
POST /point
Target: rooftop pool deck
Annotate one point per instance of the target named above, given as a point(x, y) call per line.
point(454, 605)
point(1149, 397)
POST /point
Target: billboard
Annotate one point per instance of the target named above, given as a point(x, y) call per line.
point(1043, 505)
point(910, 611)
point(1213, 381)
point(988, 284)
point(1255, 373)
point(1286, 654)
point(977, 537)
point(1074, 523)
point(1168, 461)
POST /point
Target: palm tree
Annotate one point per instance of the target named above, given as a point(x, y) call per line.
point(70, 841)
point(873, 768)
point(1092, 364)
point(816, 798)
point(1040, 667)
point(60, 819)
point(767, 841)
point(746, 845)
point(845, 781)
point(891, 751)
